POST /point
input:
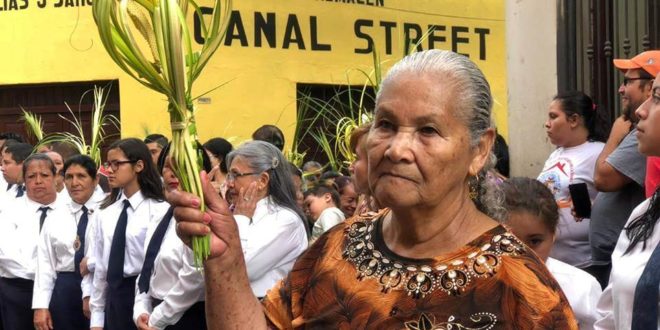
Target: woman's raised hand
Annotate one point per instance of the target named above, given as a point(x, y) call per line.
point(217, 220)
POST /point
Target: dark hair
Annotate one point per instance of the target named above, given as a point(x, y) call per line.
point(39, 158)
point(264, 157)
point(321, 189)
point(219, 148)
point(501, 151)
point(12, 136)
point(271, 134)
point(532, 196)
point(160, 139)
point(578, 103)
point(83, 161)
point(19, 151)
point(641, 228)
point(149, 180)
point(160, 164)
point(342, 182)
point(64, 149)
point(294, 170)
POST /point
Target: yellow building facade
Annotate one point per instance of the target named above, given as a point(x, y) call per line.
point(271, 46)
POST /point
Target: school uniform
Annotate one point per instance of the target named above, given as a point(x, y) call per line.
point(170, 288)
point(19, 233)
point(122, 229)
point(61, 247)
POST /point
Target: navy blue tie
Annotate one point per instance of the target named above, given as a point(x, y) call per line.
point(645, 305)
point(20, 189)
point(152, 251)
point(80, 239)
point(42, 218)
point(115, 274)
point(9, 186)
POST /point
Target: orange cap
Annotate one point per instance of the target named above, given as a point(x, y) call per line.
point(648, 61)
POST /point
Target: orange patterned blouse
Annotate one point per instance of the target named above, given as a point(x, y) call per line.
point(349, 279)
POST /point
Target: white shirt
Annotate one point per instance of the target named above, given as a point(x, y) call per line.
point(91, 236)
point(329, 218)
point(271, 243)
point(174, 280)
point(616, 304)
point(8, 197)
point(19, 234)
point(55, 250)
point(567, 166)
point(141, 213)
point(581, 289)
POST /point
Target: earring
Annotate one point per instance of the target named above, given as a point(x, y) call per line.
point(473, 186)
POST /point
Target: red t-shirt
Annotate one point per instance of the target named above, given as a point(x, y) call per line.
point(652, 175)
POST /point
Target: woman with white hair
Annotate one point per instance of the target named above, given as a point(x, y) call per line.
point(435, 258)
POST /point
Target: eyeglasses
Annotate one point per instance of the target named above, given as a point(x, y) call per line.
point(232, 176)
point(628, 80)
point(114, 165)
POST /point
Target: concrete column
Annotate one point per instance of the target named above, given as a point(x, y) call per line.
point(531, 43)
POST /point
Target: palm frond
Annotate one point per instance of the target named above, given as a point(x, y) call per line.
point(33, 124)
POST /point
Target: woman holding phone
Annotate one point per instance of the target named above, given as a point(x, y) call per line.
point(577, 129)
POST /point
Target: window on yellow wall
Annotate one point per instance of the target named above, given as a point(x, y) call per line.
point(49, 101)
point(319, 109)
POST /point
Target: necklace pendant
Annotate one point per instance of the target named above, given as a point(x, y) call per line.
point(76, 243)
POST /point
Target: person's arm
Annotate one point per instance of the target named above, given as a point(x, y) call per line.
point(606, 177)
point(605, 311)
point(100, 284)
point(44, 280)
point(187, 291)
point(227, 306)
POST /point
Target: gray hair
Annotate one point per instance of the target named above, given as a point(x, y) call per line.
point(264, 157)
point(473, 106)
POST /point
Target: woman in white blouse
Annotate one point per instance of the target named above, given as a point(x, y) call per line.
point(270, 224)
point(170, 289)
point(135, 202)
point(631, 301)
point(58, 298)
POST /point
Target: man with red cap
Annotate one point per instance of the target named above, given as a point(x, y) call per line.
point(620, 169)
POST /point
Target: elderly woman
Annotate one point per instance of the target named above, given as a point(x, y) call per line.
point(270, 224)
point(434, 258)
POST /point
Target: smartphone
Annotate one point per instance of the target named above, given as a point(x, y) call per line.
point(581, 199)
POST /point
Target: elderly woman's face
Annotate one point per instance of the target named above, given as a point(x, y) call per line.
point(419, 151)
point(239, 178)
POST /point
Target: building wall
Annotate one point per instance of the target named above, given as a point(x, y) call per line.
point(531, 34)
point(45, 41)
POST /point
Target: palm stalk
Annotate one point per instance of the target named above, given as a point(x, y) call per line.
point(33, 124)
point(99, 122)
point(168, 66)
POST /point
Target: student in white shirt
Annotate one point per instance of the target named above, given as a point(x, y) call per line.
point(631, 300)
point(270, 224)
point(321, 203)
point(58, 298)
point(532, 217)
point(19, 234)
point(135, 202)
point(170, 289)
point(577, 128)
point(13, 155)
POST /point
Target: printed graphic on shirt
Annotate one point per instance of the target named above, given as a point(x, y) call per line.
point(557, 177)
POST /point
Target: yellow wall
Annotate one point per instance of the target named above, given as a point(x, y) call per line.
point(60, 44)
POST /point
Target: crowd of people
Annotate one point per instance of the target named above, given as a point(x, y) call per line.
point(426, 230)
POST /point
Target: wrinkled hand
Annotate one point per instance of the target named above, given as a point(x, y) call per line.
point(83, 267)
point(217, 220)
point(246, 201)
point(86, 310)
point(42, 319)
